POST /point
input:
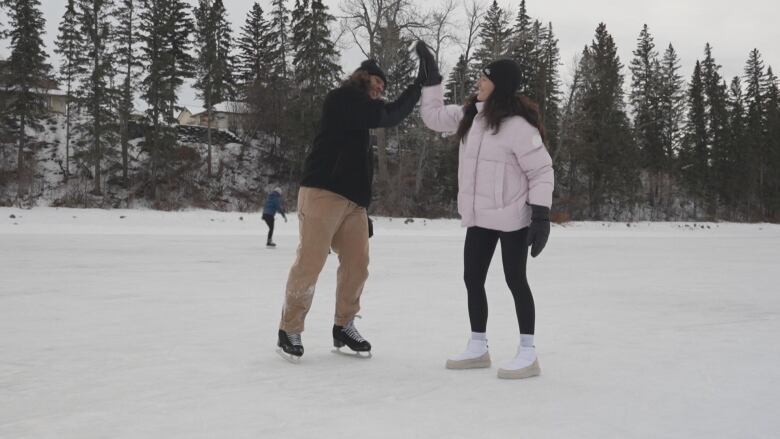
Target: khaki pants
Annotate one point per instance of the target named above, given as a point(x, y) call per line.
point(327, 220)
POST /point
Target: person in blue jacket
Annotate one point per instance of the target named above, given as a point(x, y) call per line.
point(273, 204)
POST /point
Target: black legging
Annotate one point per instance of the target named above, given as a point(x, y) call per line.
point(478, 251)
point(269, 219)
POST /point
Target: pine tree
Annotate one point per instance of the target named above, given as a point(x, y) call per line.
point(571, 144)
point(165, 27)
point(606, 150)
point(771, 183)
point(495, 36)
point(279, 81)
point(301, 24)
point(26, 73)
point(214, 77)
point(183, 64)
point(128, 66)
point(253, 57)
point(672, 102)
point(279, 50)
point(254, 63)
point(536, 87)
point(523, 50)
point(70, 46)
point(755, 108)
point(315, 63)
point(671, 114)
point(645, 102)
point(732, 165)
point(96, 96)
point(458, 84)
point(548, 93)
point(717, 120)
point(694, 156)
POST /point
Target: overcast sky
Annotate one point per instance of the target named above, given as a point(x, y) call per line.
point(732, 28)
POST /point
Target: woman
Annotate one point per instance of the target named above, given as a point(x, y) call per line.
point(505, 185)
point(335, 193)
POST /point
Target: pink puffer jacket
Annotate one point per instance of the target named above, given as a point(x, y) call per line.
point(498, 174)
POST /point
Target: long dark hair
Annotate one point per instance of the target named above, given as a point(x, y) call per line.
point(360, 79)
point(498, 107)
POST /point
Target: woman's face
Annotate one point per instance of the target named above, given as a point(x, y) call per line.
point(484, 88)
point(376, 88)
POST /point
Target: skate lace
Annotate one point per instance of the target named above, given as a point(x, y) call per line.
point(295, 339)
point(352, 332)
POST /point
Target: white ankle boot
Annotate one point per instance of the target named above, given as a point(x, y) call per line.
point(524, 365)
point(475, 356)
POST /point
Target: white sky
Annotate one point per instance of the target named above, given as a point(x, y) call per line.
point(732, 28)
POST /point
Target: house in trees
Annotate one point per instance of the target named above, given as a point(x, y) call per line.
point(226, 115)
point(55, 99)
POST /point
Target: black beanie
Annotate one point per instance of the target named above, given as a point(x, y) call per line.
point(504, 74)
point(372, 67)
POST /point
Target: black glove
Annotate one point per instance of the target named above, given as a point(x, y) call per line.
point(539, 230)
point(422, 74)
point(370, 227)
point(429, 72)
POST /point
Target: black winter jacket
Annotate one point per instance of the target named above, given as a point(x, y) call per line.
point(341, 159)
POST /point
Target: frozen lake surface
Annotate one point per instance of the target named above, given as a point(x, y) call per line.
point(146, 324)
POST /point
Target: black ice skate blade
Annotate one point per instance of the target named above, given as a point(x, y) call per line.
point(354, 354)
point(289, 357)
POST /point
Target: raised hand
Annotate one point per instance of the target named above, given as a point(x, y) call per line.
point(429, 71)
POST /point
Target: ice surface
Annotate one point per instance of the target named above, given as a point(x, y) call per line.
point(163, 325)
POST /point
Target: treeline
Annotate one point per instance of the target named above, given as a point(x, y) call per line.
point(641, 142)
point(115, 51)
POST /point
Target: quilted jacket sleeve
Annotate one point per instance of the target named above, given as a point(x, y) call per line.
point(436, 115)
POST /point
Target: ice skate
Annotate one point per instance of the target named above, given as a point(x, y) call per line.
point(290, 347)
point(475, 356)
point(270, 244)
point(524, 365)
point(348, 335)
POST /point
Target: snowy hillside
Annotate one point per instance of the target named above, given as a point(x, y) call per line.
point(146, 324)
point(242, 173)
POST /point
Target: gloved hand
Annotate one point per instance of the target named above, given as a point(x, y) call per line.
point(285, 217)
point(428, 73)
point(539, 230)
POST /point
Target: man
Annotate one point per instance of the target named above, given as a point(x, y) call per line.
point(273, 204)
point(334, 195)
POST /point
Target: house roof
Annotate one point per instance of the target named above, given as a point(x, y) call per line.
point(48, 86)
point(230, 107)
point(56, 92)
point(42, 91)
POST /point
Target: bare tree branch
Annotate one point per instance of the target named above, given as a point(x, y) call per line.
point(474, 12)
point(440, 28)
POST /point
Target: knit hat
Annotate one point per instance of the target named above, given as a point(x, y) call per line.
point(372, 67)
point(504, 74)
point(278, 190)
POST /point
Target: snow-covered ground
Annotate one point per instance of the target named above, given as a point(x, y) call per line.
point(145, 324)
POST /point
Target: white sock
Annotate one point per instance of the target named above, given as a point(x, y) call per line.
point(527, 340)
point(479, 336)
